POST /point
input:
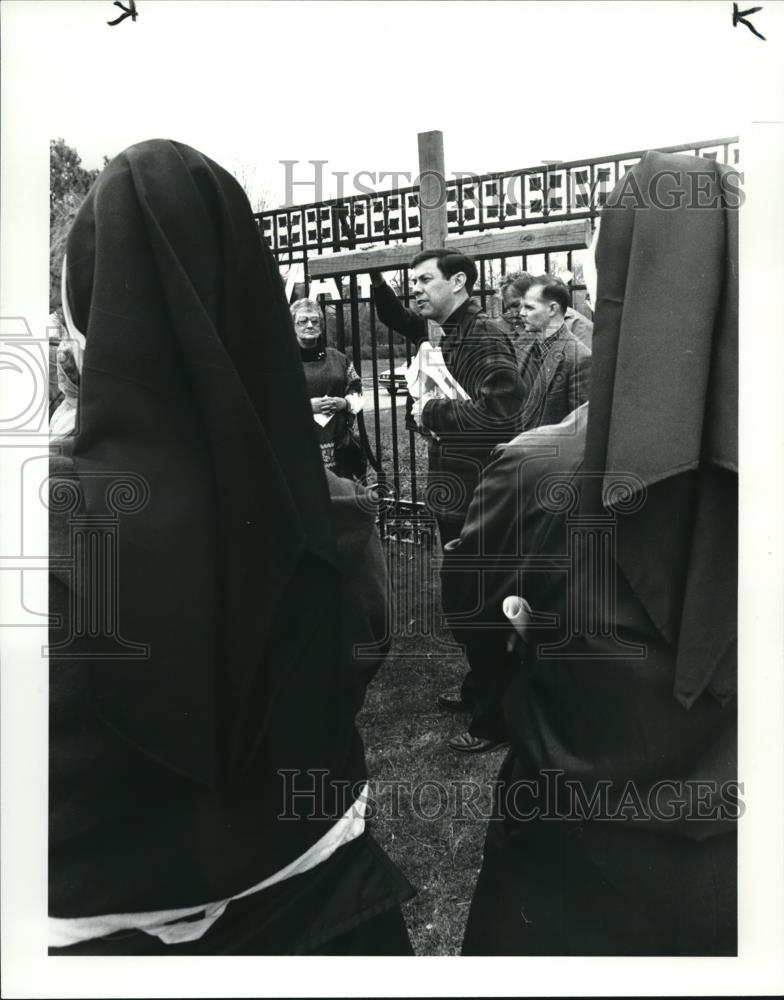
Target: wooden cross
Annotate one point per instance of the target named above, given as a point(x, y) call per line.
point(556, 236)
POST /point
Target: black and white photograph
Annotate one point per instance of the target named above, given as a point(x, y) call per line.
point(392, 461)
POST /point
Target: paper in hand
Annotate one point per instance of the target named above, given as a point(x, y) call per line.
point(518, 612)
point(428, 374)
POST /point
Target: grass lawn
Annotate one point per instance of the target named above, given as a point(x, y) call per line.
point(434, 835)
point(431, 831)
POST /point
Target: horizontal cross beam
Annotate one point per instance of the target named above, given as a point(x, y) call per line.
point(552, 238)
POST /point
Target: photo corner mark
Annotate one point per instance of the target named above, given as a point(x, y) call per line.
point(127, 11)
point(739, 17)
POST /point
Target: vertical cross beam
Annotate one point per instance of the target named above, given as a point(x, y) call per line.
point(432, 199)
point(432, 189)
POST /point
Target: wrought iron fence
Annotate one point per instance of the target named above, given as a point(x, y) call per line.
point(491, 203)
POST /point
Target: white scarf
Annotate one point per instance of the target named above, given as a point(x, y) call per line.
point(63, 420)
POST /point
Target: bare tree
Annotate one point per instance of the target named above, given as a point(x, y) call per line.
point(258, 195)
point(69, 183)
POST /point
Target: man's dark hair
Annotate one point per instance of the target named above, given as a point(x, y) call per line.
point(449, 263)
point(520, 281)
point(552, 290)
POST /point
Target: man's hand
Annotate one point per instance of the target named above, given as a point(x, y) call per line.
point(419, 406)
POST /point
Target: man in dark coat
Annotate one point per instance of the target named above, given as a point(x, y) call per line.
point(555, 366)
point(513, 288)
point(477, 353)
point(556, 371)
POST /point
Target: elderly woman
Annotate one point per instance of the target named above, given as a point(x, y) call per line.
point(335, 392)
point(209, 585)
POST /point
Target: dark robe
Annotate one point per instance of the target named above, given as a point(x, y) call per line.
point(205, 608)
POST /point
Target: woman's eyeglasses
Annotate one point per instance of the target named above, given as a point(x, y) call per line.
point(305, 321)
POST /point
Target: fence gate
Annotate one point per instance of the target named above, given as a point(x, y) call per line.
point(538, 219)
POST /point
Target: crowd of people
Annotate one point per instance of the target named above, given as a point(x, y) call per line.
point(208, 785)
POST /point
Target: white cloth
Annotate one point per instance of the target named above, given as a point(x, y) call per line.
point(73, 332)
point(428, 374)
point(427, 377)
point(590, 274)
point(356, 403)
point(63, 420)
point(172, 927)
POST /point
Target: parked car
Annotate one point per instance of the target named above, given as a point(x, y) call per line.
point(385, 379)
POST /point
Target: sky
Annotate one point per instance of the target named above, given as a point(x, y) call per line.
point(509, 84)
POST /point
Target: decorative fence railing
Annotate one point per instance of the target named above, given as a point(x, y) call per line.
point(560, 191)
point(490, 203)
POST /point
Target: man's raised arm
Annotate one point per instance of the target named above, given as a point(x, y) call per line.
point(391, 311)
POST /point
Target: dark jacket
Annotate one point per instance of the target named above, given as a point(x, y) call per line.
point(478, 353)
point(557, 387)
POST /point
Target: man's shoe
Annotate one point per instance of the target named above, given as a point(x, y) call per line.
point(466, 743)
point(453, 702)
